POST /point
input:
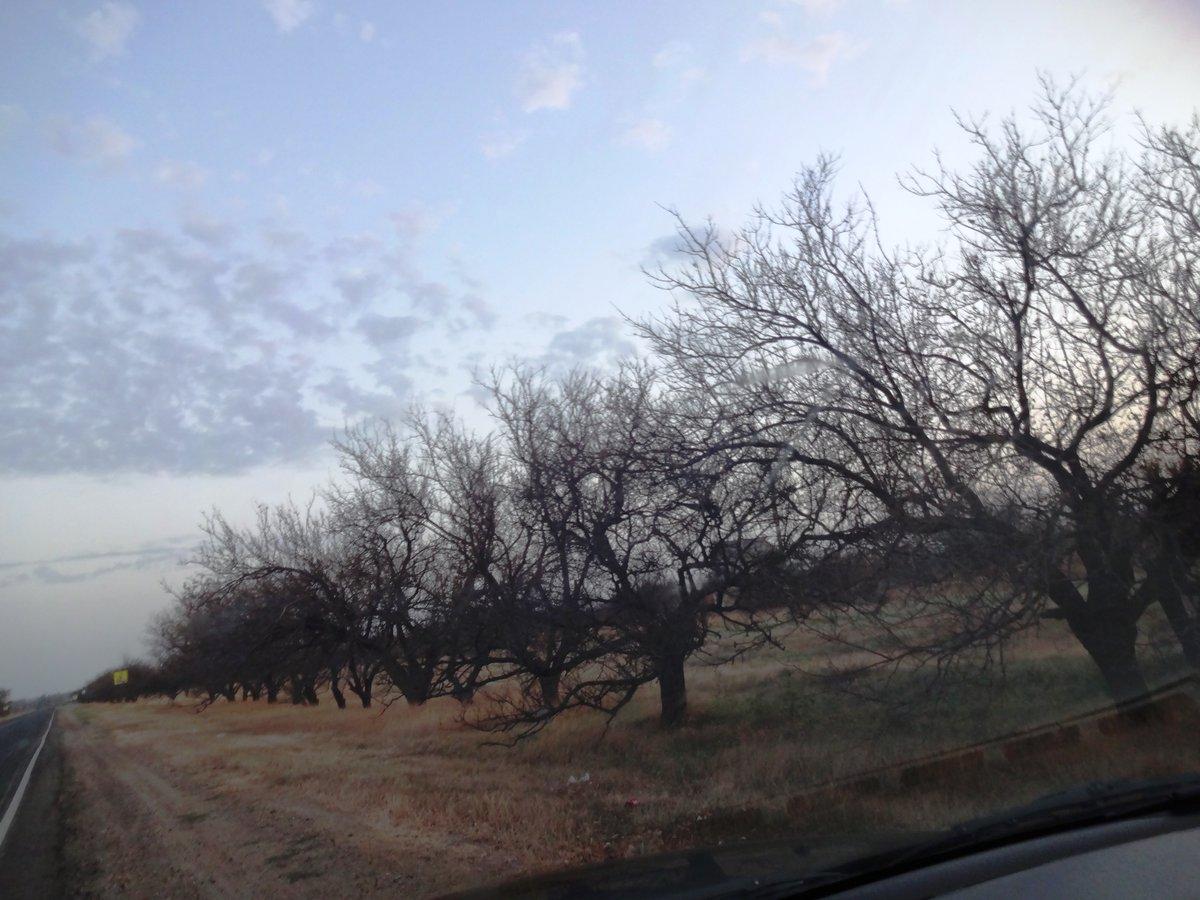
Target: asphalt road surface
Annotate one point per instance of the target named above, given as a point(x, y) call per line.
point(31, 855)
point(19, 738)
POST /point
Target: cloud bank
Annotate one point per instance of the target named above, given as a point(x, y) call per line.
point(205, 349)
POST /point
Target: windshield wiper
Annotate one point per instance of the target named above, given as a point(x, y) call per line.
point(1091, 804)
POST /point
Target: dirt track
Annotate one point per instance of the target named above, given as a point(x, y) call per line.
point(142, 827)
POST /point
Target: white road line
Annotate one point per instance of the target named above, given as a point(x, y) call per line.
point(15, 804)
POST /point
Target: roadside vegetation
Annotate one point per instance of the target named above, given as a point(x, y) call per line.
point(309, 800)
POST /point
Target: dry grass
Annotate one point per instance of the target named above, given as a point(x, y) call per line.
point(417, 784)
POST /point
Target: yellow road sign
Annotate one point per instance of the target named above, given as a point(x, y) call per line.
point(121, 676)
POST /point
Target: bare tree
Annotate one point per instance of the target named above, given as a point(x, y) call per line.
point(422, 516)
point(647, 550)
point(1012, 385)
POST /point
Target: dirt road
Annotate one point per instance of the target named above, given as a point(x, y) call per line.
point(151, 828)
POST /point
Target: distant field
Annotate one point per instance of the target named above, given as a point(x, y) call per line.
point(247, 799)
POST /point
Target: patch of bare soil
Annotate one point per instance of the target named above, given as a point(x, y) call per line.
point(142, 826)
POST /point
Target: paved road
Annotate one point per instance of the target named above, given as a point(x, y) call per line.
point(19, 738)
point(31, 856)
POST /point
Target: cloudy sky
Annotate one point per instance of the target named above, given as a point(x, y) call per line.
point(229, 228)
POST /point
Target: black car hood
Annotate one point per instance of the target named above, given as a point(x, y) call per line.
point(768, 868)
point(712, 872)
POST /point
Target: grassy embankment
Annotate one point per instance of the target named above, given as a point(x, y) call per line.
point(759, 734)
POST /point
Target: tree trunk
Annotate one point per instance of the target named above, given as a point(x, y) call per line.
point(338, 697)
point(413, 685)
point(272, 691)
point(672, 689)
point(1185, 626)
point(362, 693)
point(548, 689)
point(1105, 623)
point(310, 693)
point(1183, 620)
point(1111, 643)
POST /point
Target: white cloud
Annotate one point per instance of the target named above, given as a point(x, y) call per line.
point(211, 349)
point(494, 146)
point(543, 319)
point(365, 32)
point(207, 229)
point(477, 313)
point(551, 73)
point(597, 343)
point(97, 141)
point(816, 56)
point(73, 567)
point(771, 19)
point(664, 250)
point(818, 7)
point(414, 221)
point(289, 14)
point(388, 331)
point(178, 174)
point(650, 134)
point(678, 57)
point(108, 28)
point(481, 396)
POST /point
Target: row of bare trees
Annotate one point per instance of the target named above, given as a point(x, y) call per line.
point(574, 554)
point(913, 452)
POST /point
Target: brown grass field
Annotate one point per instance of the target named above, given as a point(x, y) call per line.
point(246, 799)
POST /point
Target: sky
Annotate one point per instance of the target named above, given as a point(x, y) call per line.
point(229, 229)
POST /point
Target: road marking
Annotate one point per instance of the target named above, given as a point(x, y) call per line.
point(15, 804)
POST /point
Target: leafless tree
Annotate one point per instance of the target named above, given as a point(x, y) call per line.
point(1011, 385)
point(646, 550)
point(422, 514)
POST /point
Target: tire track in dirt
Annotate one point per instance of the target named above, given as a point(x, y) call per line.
point(142, 828)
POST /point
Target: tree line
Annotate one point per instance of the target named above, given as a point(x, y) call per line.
point(913, 451)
